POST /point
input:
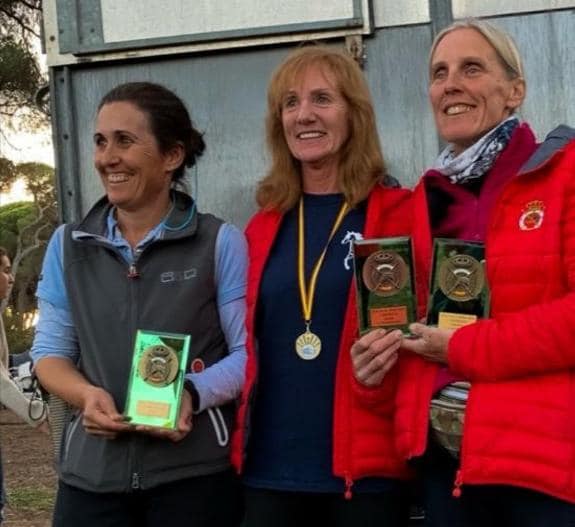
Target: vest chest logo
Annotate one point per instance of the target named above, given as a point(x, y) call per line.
point(532, 215)
point(178, 276)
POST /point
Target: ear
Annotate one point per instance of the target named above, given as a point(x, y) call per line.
point(174, 157)
point(517, 93)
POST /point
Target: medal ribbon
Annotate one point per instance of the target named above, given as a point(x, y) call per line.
point(307, 293)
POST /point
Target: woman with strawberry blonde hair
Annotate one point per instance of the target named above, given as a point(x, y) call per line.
point(314, 446)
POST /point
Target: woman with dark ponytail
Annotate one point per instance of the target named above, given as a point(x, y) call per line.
point(143, 258)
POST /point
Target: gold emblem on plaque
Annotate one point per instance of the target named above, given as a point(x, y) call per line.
point(158, 365)
point(461, 277)
point(308, 345)
point(385, 273)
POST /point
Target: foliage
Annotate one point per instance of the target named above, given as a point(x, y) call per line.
point(20, 75)
point(24, 232)
point(13, 217)
point(21, 18)
point(19, 332)
point(25, 227)
point(39, 179)
point(7, 174)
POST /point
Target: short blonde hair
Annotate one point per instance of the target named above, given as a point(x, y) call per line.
point(361, 163)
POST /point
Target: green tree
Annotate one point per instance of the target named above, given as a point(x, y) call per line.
point(21, 17)
point(25, 227)
point(39, 180)
point(20, 75)
point(7, 174)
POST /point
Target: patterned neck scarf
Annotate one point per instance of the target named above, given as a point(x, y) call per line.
point(478, 159)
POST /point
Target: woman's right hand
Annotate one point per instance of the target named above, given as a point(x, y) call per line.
point(100, 415)
point(374, 354)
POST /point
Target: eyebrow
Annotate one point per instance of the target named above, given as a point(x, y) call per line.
point(116, 132)
point(470, 58)
point(314, 91)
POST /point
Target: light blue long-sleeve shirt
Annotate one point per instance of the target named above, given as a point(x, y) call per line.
point(56, 335)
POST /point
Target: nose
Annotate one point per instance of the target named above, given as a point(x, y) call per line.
point(106, 155)
point(11, 278)
point(305, 112)
point(452, 82)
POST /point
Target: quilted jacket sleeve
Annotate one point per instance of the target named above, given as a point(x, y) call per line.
point(538, 339)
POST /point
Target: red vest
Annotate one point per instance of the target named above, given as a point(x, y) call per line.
point(520, 417)
point(363, 442)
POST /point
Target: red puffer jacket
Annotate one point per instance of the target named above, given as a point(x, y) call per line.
point(363, 442)
point(520, 417)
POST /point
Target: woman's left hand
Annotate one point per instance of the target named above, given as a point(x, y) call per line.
point(184, 423)
point(429, 342)
point(373, 355)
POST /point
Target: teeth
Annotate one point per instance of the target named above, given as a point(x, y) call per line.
point(309, 135)
point(117, 178)
point(457, 109)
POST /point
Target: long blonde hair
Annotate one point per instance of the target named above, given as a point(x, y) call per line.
point(361, 164)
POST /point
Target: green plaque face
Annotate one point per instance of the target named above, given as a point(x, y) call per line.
point(458, 294)
point(157, 378)
point(384, 283)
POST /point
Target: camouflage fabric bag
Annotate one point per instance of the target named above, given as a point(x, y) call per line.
point(447, 414)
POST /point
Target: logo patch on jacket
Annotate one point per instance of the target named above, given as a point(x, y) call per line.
point(197, 366)
point(532, 216)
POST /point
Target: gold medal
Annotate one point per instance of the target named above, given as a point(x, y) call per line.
point(461, 277)
point(158, 365)
point(308, 345)
point(385, 273)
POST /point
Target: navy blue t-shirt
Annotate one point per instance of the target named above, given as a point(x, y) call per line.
point(290, 446)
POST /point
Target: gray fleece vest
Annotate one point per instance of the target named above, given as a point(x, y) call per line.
point(171, 288)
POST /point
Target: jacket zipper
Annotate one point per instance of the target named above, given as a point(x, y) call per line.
point(133, 271)
point(456, 493)
point(348, 494)
point(132, 276)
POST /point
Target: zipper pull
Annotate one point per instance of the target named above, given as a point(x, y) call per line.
point(133, 272)
point(348, 484)
point(135, 481)
point(456, 493)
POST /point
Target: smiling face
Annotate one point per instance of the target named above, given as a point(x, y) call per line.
point(136, 175)
point(315, 119)
point(470, 91)
point(6, 278)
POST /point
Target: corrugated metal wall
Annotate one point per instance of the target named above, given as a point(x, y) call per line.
point(226, 94)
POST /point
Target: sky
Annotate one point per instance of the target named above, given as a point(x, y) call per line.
point(24, 147)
